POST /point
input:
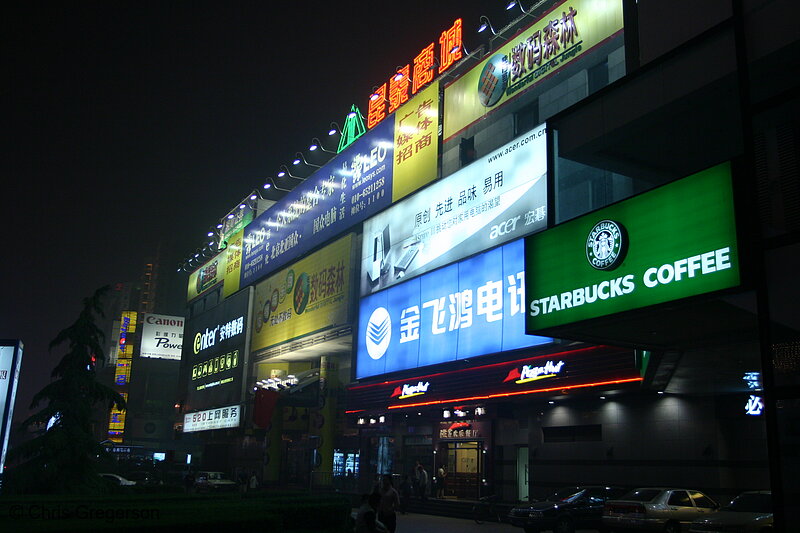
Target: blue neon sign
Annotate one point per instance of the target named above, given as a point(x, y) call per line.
point(468, 309)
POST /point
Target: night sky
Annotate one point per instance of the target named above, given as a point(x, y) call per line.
point(134, 126)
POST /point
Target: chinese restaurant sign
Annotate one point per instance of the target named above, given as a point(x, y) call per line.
point(501, 197)
point(366, 178)
point(568, 31)
point(676, 241)
point(464, 310)
point(412, 77)
point(308, 296)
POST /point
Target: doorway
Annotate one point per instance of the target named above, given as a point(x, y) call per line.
point(464, 462)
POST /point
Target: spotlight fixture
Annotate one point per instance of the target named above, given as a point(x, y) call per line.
point(485, 23)
point(285, 172)
point(316, 143)
point(514, 3)
point(271, 184)
point(334, 129)
point(301, 159)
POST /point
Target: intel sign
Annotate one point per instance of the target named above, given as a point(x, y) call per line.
point(467, 309)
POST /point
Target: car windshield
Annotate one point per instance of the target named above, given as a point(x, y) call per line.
point(565, 495)
point(641, 495)
point(750, 503)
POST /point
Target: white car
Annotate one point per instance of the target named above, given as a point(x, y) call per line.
point(213, 481)
point(117, 479)
point(749, 512)
point(657, 509)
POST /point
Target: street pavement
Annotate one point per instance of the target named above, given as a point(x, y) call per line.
point(423, 523)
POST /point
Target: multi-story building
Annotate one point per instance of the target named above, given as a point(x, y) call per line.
point(564, 257)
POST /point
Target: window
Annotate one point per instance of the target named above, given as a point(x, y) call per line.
point(701, 500)
point(680, 498)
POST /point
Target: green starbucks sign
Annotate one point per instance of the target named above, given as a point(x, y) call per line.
point(673, 242)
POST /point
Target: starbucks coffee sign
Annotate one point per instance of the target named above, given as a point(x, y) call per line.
point(670, 243)
point(606, 245)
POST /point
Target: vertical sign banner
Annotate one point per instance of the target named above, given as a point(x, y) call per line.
point(464, 310)
point(10, 363)
point(308, 296)
point(215, 353)
point(676, 241)
point(233, 264)
point(162, 336)
point(501, 197)
point(569, 30)
point(207, 276)
point(416, 133)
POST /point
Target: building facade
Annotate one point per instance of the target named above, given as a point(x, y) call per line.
point(566, 258)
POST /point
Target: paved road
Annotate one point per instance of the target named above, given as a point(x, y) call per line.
point(423, 523)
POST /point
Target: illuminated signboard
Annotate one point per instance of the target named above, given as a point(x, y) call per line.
point(569, 30)
point(465, 310)
point(233, 264)
point(676, 241)
point(10, 362)
point(494, 200)
point(389, 96)
point(392, 160)
point(552, 372)
point(116, 422)
point(215, 353)
point(308, 296)
point(207, 276)
point(219, 418)
point(754, 406)
point(162, 337)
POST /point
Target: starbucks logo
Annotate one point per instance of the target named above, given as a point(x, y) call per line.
point(606, 245)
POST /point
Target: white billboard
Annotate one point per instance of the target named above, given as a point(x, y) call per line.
point(494, 200)
point(162, 336)
point(219, 418)
point(10, 361)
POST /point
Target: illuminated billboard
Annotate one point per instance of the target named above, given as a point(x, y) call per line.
point(10, 362)
point(676, 241)
point(393, 159)
point(501, 197)
point(162, 336)
point(215, 353)
point(465, 310)
point(218, 418)
point(308, 296)
point(567, 31)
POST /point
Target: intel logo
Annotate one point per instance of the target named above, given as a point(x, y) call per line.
point(379, 333)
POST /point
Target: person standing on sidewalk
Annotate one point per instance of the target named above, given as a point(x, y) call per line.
point(423, 482)
point(390, 500)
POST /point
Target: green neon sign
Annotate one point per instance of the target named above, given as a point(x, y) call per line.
point(670, 243)
point(353, 128)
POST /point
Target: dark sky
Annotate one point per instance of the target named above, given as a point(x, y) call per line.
point(134, 125)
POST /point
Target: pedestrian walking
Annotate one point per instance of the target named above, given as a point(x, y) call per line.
point(440, 484)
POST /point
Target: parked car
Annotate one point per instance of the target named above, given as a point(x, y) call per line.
point(657, 509)
point(213, 482)
point(748, 512)
point(565, 510)
point(144, 478)
point(117, 480)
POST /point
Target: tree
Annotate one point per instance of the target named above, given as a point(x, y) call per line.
point(63, 458)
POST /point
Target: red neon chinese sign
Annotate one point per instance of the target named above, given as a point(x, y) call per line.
point(423, 71)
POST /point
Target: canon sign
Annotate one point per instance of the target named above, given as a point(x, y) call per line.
point(162, 337)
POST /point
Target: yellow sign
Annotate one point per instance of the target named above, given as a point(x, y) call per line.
point(416, 130)
point(569, 30)
point(233, 264)
point(308, 296)
point(207, 276)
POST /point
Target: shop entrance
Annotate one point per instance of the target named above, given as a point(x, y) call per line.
point(464, 462)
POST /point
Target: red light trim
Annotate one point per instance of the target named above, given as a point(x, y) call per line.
point(517, 393)
point(473, 368)
point(354, 411)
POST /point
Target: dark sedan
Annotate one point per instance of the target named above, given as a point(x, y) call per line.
point(565, 510)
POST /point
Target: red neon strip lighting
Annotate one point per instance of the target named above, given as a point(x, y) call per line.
point(355, 411)
point(517, 393)
point(474, 368)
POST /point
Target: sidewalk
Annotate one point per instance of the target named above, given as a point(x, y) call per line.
point(418, 523)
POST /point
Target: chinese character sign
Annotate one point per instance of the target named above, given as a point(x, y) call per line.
point(415, 143)
point(464, 310)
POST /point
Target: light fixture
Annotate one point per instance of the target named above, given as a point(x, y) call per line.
point(301, 159)
point(375, 96)
point(334, 129)
point(271, 184)
point(400, 75)
point(316, 143)
point(446, 413)
point(514, 3)
point(458, 47)
point(485, 23)
point(285, 172)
